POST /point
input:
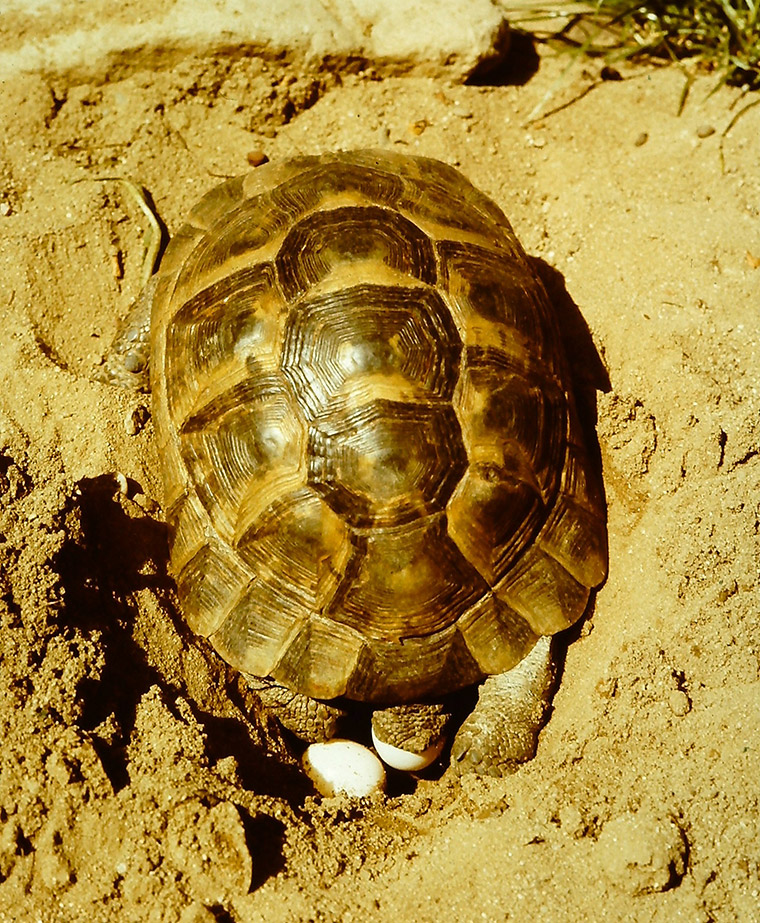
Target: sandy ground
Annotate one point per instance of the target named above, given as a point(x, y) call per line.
point(132, 786)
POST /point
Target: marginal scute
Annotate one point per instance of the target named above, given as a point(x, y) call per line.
point(581, 482)
point(577, 539)
point(320, 659)
point(277, 174)
point(182, 244)
point(376, 484)
point(412, 669)
point(324, 186)
point(188, 520)
point(208, 583)
point(431, 190)
point(544, 593)
point(218, 203)
point(172, 467)
point(259, 626)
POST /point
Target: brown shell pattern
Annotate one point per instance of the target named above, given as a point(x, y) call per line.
point(375, 479)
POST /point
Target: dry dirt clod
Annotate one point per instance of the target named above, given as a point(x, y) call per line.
point(135, 420)
point(643, 852)
point(198, 913)
point(208, 848)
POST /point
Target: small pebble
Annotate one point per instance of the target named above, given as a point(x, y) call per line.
point(134, 362)
point(641, 139)
point(344, 767)
point(406, 760)
point(704, 131)
point(679, 703)
point(5, 209)
point(257, 157)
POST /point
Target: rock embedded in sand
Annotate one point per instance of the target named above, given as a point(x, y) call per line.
point(344, 767)
point(135, 420)
point(442, 38)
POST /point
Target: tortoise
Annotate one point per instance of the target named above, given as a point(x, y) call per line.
point(376, 482)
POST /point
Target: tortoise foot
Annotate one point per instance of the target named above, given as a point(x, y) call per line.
point(310, 719)
point(502, 730)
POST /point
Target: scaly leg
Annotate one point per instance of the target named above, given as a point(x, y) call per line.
point(307, 718)
point(502, 730)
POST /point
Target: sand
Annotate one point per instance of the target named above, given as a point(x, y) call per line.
point(134, 785)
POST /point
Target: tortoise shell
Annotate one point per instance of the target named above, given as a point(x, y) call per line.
point(375, 479)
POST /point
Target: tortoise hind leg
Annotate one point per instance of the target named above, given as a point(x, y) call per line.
point(310, 719)
point(502, 730)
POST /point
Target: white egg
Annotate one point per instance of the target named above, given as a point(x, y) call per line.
point(344, 767)
point(406, 759)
